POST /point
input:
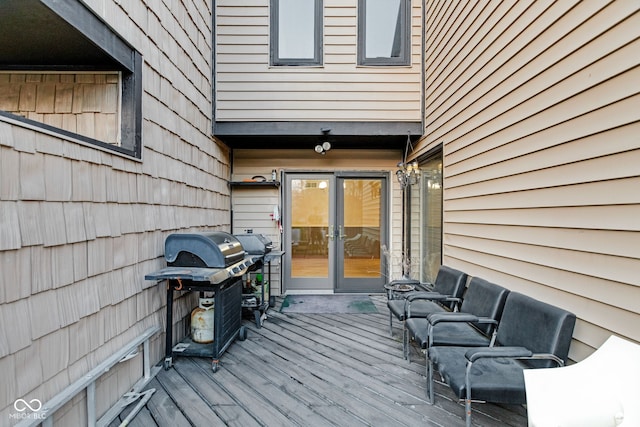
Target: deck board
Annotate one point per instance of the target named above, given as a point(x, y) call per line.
point(312, 370)
point(187, 398)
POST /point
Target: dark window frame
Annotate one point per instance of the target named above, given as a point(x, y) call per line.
point(274, 54)
point(404, 59)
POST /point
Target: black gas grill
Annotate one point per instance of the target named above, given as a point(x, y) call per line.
point(206, 262)
point(213, 249)
point(257, 299)
point(255, 244)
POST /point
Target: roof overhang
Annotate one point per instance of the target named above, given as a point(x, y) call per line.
point(345, 135)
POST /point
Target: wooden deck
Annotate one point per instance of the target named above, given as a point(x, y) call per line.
point(311, 370)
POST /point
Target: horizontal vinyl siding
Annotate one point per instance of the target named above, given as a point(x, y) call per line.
point(538, 107)
point(248, 89)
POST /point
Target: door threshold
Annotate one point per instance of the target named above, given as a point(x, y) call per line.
point(309, 292)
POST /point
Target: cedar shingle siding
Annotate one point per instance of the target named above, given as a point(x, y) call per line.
point(80, 226)
point(87, 104)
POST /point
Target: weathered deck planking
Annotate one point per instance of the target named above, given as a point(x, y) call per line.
point(311, 370)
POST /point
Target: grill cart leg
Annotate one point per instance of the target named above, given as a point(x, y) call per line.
point(168, 355)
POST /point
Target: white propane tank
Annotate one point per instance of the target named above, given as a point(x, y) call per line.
point(202, 321)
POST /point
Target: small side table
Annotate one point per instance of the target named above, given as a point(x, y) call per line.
point(398, 289)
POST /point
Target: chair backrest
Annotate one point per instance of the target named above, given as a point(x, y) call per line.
point(538, 326)
point(450, 281)
point(484, 299)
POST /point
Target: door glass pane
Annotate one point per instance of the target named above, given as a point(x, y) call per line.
point(361, 231)
point(309, 227)
point(431, 218)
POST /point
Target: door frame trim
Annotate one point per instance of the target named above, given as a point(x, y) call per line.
point(385, 235)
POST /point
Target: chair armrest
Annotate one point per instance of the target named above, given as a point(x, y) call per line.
point(496, 352)
point(459, 317)
point(436, 318)
point(510, 352)
point(424, 295)
point(431, 296)
point(424, 287)
point(548, 356)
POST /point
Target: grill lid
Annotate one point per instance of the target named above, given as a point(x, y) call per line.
point(255, 244)
point(214, 249)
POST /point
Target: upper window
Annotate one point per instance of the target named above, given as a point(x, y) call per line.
point(384, 32)
point(296, 32)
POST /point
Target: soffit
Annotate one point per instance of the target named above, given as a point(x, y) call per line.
point(33, 36)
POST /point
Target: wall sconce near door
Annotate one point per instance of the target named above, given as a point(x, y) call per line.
point(408, 173)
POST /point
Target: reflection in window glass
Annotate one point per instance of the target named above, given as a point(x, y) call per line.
point(432, 218)
point(309, 227)
point(382, 28)
point(362, 228)
point(296, 36)
point(383, 34)
point(295, 29)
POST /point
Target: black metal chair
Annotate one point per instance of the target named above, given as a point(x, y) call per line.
point(473, 326)
point(531, 334)
point(445, 295)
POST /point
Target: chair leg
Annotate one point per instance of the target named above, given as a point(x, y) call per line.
point(429, 368)
point(467, 401)
point(390, 323)
point(405, 341)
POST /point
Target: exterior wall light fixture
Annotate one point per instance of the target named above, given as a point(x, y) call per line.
point(408, 173)
point(324, 146)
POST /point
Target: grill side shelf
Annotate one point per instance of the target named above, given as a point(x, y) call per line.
point(197, 274)
point(201, 274)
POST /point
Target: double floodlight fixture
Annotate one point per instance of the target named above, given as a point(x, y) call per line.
point(324, 146)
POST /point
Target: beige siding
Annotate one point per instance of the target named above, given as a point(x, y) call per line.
point(248, 89)
point(80, 227)
point(538, 107)
point(252, 209)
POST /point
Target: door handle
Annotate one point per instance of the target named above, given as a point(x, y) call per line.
point(331, 233)
point(341, 236)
